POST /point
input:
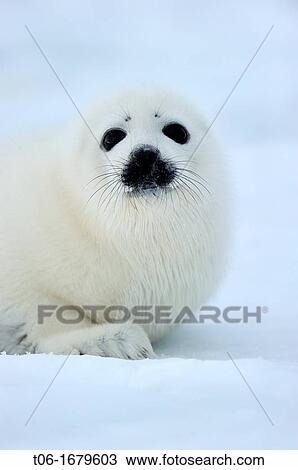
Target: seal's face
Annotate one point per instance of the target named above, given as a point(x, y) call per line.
point(146, 168)
point(149, 147)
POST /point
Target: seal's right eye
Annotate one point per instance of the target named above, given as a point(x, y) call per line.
point(112, 137)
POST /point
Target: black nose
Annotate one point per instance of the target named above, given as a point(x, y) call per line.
point(146, 169)
point(145, 156)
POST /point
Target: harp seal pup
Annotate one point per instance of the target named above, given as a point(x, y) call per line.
point(127, 208)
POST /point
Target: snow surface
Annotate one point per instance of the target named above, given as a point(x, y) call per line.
point(163, 403)
point(192, 396)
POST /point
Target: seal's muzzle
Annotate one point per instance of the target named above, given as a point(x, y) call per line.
point(146, 169)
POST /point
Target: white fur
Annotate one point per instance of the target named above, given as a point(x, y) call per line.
point(58, 248)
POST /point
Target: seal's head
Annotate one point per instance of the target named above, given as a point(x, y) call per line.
point(153, 154)
point(147, 168)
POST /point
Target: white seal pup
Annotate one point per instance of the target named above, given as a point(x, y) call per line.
point(126, 208)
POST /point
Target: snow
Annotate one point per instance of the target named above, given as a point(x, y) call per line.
point(162, 403)
point(192, 396)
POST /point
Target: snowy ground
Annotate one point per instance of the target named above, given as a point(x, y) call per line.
point(165, 403)
point(192, 396)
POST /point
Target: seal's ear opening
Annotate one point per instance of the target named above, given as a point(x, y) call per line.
point(111, 138)
point(176, 132)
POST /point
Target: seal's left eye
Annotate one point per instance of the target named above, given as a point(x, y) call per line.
point(112, 137)
point(176, 132)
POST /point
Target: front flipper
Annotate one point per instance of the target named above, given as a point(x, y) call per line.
point(107, 340)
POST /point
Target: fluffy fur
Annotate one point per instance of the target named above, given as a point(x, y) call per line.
point(61, 245)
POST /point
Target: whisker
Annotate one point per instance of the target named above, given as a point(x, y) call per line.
point(195, 182)
point(179, 190)
point(107, 186)
point(119, 190)
point(188, 189)
point(193, 173)
point(109, 195)
point(99, 189)
point(183, 178)
point(101, 177)
point(118, 167)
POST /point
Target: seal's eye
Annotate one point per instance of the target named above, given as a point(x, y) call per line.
point(176, 132)
point(112, 137)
